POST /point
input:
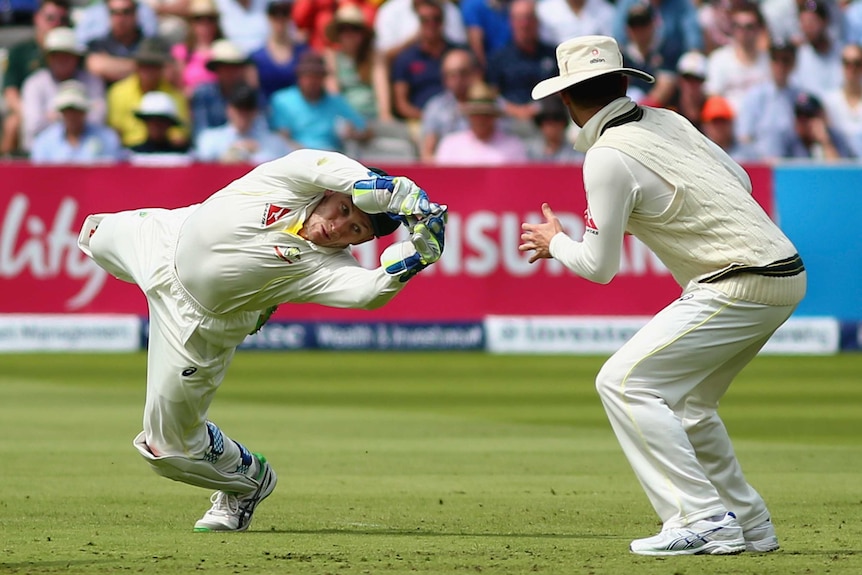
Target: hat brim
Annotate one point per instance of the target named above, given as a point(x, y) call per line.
point(481, 110)
point(145, 116)
point(331, 30)
point(80, 106)
point(151, 61)
point(213, 64)
point(559, 83)
point(72, 51)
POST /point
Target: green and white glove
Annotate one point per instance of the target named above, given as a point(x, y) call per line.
point(401, 259)
point(399, 196)
point(428, 236)
point(425, 246)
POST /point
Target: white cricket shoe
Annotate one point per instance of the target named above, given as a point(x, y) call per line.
point(231, 512)
point(704, 537)
point(761, 538)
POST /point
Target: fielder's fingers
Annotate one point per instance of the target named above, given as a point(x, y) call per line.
point(548, 212)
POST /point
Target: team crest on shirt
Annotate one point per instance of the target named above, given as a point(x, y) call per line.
point(288, 255)
point(271, 214)
point(590, 223)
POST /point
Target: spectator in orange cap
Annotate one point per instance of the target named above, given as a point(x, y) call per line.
point(717, 124)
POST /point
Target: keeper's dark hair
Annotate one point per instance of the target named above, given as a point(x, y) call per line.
point(599, 91)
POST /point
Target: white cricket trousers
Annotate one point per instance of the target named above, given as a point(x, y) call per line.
point(189, 349)
point(661, 392)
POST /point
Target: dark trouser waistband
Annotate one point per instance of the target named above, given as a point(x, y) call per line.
point(785, 268)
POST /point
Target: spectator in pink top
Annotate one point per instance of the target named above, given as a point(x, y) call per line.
point(483, 143)
point(192, 55)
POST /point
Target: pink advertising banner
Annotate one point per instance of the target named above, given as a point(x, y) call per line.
point(482, 273)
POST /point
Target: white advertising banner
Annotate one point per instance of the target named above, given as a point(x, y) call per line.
point(588, 335)
point(69, 332)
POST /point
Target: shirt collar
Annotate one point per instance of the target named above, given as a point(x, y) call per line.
point(593, 128)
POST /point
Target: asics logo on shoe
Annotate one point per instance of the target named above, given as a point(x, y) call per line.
point(692, 541)
point(189, 371)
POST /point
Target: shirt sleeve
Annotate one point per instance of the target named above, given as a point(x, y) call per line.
point(612, 193)
point(343, 283)
point(471, 13)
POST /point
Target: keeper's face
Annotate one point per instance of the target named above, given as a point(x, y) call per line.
point(336, 223)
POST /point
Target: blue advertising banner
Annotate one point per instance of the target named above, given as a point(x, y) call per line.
point(368, 336)
point(426, 336)
point(820, 209)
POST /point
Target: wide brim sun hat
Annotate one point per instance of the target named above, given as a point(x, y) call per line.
point(583, 58)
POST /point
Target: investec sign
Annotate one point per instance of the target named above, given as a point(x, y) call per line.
point(605, 335)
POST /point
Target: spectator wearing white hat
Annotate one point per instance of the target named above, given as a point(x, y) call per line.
point(72, 139)
point(691, 72)
point(158, 112)
point(231, 66)
point(125, 96)
point(63, 58)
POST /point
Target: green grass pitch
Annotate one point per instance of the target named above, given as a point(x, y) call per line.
point(410, 463)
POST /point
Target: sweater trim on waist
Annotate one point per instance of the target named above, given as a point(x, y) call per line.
point(786, 267)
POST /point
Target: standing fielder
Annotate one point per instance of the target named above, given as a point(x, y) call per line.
point(649, 172)
point(214, 272)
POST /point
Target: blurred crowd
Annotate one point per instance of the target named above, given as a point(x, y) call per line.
point(433, 81)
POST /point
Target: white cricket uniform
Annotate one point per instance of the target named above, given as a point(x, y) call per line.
point(649, 172)
point(208, 271)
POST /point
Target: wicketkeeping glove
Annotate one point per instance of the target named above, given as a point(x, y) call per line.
point(399, 196)
point(428, 236)
point(401, 259)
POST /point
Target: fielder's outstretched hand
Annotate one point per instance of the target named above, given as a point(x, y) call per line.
point(537, 237)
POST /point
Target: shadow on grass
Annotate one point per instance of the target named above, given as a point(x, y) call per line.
point(834, 553)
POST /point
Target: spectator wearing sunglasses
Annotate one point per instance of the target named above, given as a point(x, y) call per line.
point(742, 63)
point(766, 114)
point(844, 105)
point(111, 57)
point(818, 60)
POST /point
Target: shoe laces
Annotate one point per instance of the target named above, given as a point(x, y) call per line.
point(224, 503)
